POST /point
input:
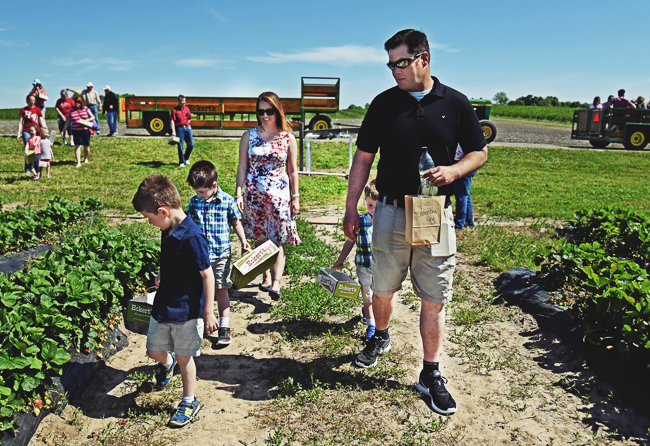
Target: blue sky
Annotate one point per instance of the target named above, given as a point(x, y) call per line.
point(574, 50)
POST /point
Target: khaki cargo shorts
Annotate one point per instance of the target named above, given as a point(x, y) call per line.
point(182, 338)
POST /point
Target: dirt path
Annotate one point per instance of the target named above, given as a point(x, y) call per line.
point(514, 383)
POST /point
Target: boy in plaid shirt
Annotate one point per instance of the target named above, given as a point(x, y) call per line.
point(363, 257)
point(214, 211)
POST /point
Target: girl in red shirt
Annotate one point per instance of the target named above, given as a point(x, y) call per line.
point(34, 143)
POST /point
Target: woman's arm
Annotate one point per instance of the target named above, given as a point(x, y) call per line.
point(66, 125)
point(292, 171)
point(91, 117)
point(20, 129)
point(242, 169)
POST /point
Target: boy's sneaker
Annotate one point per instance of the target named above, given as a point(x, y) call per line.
point(433, 386)
point(224, 336)
point(370, 332)
point(164, 376)
point(374, 347)
point(184, 414)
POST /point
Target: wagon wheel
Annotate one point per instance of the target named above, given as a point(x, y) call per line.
point(155, 123)
point(635, 138)
point(320, 122)
point(598, 143)
point(489, 130)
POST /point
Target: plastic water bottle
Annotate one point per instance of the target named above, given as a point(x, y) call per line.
point(426, 164)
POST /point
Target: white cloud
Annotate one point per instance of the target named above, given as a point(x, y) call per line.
point(345, 55)
point(216, 15)
point(12, 44)
point(109, 63)
point(204, 63)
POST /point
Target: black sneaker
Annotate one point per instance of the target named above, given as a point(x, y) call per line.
point(433, 386)
point(374, 347)
point(224, 336)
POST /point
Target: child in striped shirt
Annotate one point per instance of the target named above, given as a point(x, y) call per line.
point(363, 256)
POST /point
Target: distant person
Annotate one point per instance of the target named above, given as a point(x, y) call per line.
point(621, 101)
point(596, 103)
point(34, 145)
point(80, 133)
point(180, 121)
point(39, 94)
point(29, 115)
point(63, 106)
point(47, 154)
point(640, 102)
point(464, 217)
point(610, 101)
point(91, 100)
point(111, 106)
point(363, 257)
point(214, 212)
point(267, 184)
point(184, 305)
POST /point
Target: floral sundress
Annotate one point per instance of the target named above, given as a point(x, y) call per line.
point(267, 195)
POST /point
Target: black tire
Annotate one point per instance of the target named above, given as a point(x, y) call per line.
point(636, 138)
point(156, 123)
point(598, 143)
point(489, 130)
point(320, 122)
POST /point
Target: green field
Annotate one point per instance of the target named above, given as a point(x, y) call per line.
point(531, 113)
point(515, 183)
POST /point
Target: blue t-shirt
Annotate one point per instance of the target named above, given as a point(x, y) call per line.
point(364, 241)
point(183, 255)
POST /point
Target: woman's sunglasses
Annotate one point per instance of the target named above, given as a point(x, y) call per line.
point(267, 111)
point(403, 63)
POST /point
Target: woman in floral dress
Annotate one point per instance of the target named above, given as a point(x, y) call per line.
point(268, 169)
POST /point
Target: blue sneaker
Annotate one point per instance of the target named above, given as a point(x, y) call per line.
point(370, 331)
point(164, 376)
point(184, 414)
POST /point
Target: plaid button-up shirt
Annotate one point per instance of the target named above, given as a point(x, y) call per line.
point(214, 218)
point(364, 241)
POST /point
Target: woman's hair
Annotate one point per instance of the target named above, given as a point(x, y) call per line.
point(641, 98)
point(79, 100)
point(370, 191)
point(155, 192)
point(202, 174)
point(274, 100)
point(596, 99)
point(64, 93)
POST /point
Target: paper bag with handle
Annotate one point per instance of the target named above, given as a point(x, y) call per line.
point(423, 217)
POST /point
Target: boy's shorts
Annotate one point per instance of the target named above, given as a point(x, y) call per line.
point(221, 269)
point(365, 280)
point(182, 338)
point(432, 266)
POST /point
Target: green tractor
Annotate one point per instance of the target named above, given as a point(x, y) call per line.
point(483, 109)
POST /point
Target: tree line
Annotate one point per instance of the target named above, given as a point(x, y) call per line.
point(537, 101)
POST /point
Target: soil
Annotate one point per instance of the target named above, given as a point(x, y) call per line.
point(516, 385)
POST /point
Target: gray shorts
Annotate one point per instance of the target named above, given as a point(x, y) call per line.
point(221, 269)
point(183, 338)
point(365, 280)
point(432, 266)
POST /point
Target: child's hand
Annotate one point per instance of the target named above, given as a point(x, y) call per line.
point(157, 280)
point(210, 322)
point(245, 246)
point(338, 264)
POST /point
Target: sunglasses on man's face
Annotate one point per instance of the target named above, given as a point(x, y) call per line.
point(267, 111)
point(403, 63)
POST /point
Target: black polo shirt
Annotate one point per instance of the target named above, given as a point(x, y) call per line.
point(400, 125)
point(183, 255)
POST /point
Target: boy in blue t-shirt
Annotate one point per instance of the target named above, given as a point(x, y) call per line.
point(214, 211)
point(184, 303)
point(363, 256)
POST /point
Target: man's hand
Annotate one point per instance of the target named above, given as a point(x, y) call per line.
point(338, 264)
point(351, 223)
point(210, 322)
point(442, 175)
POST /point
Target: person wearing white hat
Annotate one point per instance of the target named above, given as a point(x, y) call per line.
point(91, 99)
point(111, 105)
point(39, 94)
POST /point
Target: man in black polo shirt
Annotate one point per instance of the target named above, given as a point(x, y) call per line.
point(420, 111)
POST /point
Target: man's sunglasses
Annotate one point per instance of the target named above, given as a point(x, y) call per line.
point(403, 63)
point(267, 111)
